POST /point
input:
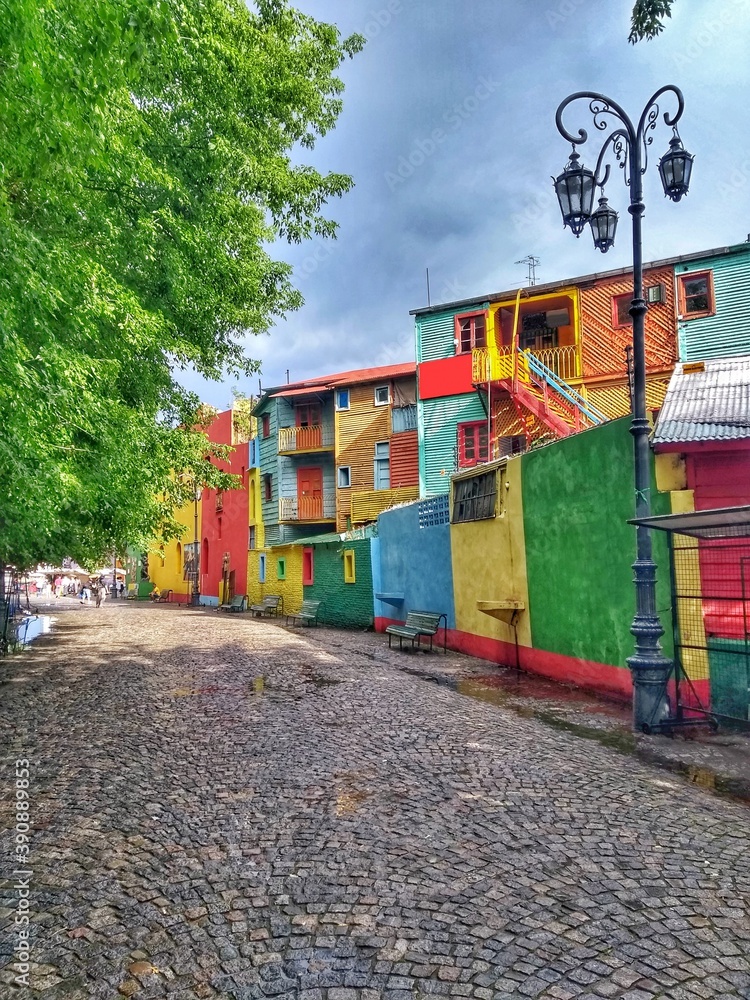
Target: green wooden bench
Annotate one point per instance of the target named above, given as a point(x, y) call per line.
point(236, 604)
point(417, 624)
point(272, 605)
point(308, 613)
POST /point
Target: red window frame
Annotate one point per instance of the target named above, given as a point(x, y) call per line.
point(469, 332)
point(265, 422)
point(473, 444)
point(308, 567)
point(618, 323)
point(682, 298)
point(307, 415)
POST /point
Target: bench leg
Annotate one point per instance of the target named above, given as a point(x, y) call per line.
point(389, 640)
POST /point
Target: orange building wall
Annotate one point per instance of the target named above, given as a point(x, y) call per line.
point(603, 345)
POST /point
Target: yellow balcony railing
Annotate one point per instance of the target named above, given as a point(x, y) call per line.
point(365, 505)
point(495, 364)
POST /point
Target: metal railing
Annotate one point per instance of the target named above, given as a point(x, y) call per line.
point(321, 508)
point(404, 418)
point(312, 438)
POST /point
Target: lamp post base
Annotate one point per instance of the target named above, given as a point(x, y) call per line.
point(195, 600)
point(651, 704)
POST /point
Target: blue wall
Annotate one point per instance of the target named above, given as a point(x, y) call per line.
point(414, 561)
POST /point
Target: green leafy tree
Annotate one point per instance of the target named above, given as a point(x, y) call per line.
point(648, 18)
point(146, 167)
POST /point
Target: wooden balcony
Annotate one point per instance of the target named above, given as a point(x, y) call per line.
point(296, 440)
point(298, 509)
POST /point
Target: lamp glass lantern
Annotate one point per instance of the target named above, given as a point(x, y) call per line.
point(675, 168)
point(575, 188)
point(604, 225)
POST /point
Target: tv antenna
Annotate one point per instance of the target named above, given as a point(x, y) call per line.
point(531, 263)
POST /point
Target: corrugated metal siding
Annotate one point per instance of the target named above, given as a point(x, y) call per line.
point(366, 506)
point(438, 421)
point(405, 459)
point(728, 331)
point(436, 335)
point(357, 431)
point(603, 346)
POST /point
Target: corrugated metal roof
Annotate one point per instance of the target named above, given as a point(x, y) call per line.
point(712, 404)
point(384, 372)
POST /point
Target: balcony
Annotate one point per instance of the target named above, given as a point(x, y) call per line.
point(404, 418)
point(494, 364)
point(298, 509)
point(296, 440)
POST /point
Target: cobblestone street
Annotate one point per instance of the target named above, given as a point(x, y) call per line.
point(221, 807)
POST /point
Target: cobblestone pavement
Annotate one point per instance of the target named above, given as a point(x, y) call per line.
point(221, 807)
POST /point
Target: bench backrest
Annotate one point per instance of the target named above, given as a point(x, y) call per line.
point(237, 602)
point(310, 607)
point(427, 621)
point(271, 601)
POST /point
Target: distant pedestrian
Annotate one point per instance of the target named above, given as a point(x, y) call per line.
point(85, 594)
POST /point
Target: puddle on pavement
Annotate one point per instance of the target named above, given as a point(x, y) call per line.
point(32, 627)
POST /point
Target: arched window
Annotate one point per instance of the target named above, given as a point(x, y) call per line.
point(204, 556)
point(179, 558)
point(251, 511)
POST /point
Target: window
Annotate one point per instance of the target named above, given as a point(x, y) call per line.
point(267, 486)
point(266, 425)
point(471, 332)
point(382, 395)
point(620, 305)
point(281, 569)
point(513, 445)
point(537, 331)
point(696, 294)
point(345, 476)
point(307, 415)
point(473, 444)
point(251, 537)
point(308, 567)
point(253, 451)
point(218, 522)
point(349, 566)
point(262, 568)
point(474, 498)
point(382, 472)
point(342, 399)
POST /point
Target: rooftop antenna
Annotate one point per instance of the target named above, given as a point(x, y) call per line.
point(287, 376)
point(531, 263)
point(428, 285)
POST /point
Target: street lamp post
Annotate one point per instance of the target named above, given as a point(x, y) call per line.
point(575, 189)
point(196, 598)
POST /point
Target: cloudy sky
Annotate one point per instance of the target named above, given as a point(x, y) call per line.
point(448, 130)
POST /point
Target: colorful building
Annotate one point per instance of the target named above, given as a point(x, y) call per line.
point(509, 371)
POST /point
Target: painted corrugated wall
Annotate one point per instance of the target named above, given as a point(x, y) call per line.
point(727, 332)
point(437, 430)
point(405, 459)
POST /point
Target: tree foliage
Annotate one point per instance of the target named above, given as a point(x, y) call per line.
point(145, 169)
point(648, 18)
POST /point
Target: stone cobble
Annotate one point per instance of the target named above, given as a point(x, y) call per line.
point(224, 808)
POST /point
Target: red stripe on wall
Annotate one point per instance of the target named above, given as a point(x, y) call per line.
point(615, 682)
point(445, 377)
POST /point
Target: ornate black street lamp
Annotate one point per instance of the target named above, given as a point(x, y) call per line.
point(574, 188)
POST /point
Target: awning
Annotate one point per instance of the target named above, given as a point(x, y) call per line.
point(724, 522)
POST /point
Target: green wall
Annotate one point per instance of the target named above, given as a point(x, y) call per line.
point(577, 498)
point(346, 605)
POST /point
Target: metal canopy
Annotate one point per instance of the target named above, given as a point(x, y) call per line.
point(724, 522)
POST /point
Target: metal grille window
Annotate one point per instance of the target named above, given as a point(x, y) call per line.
point(475, 498)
